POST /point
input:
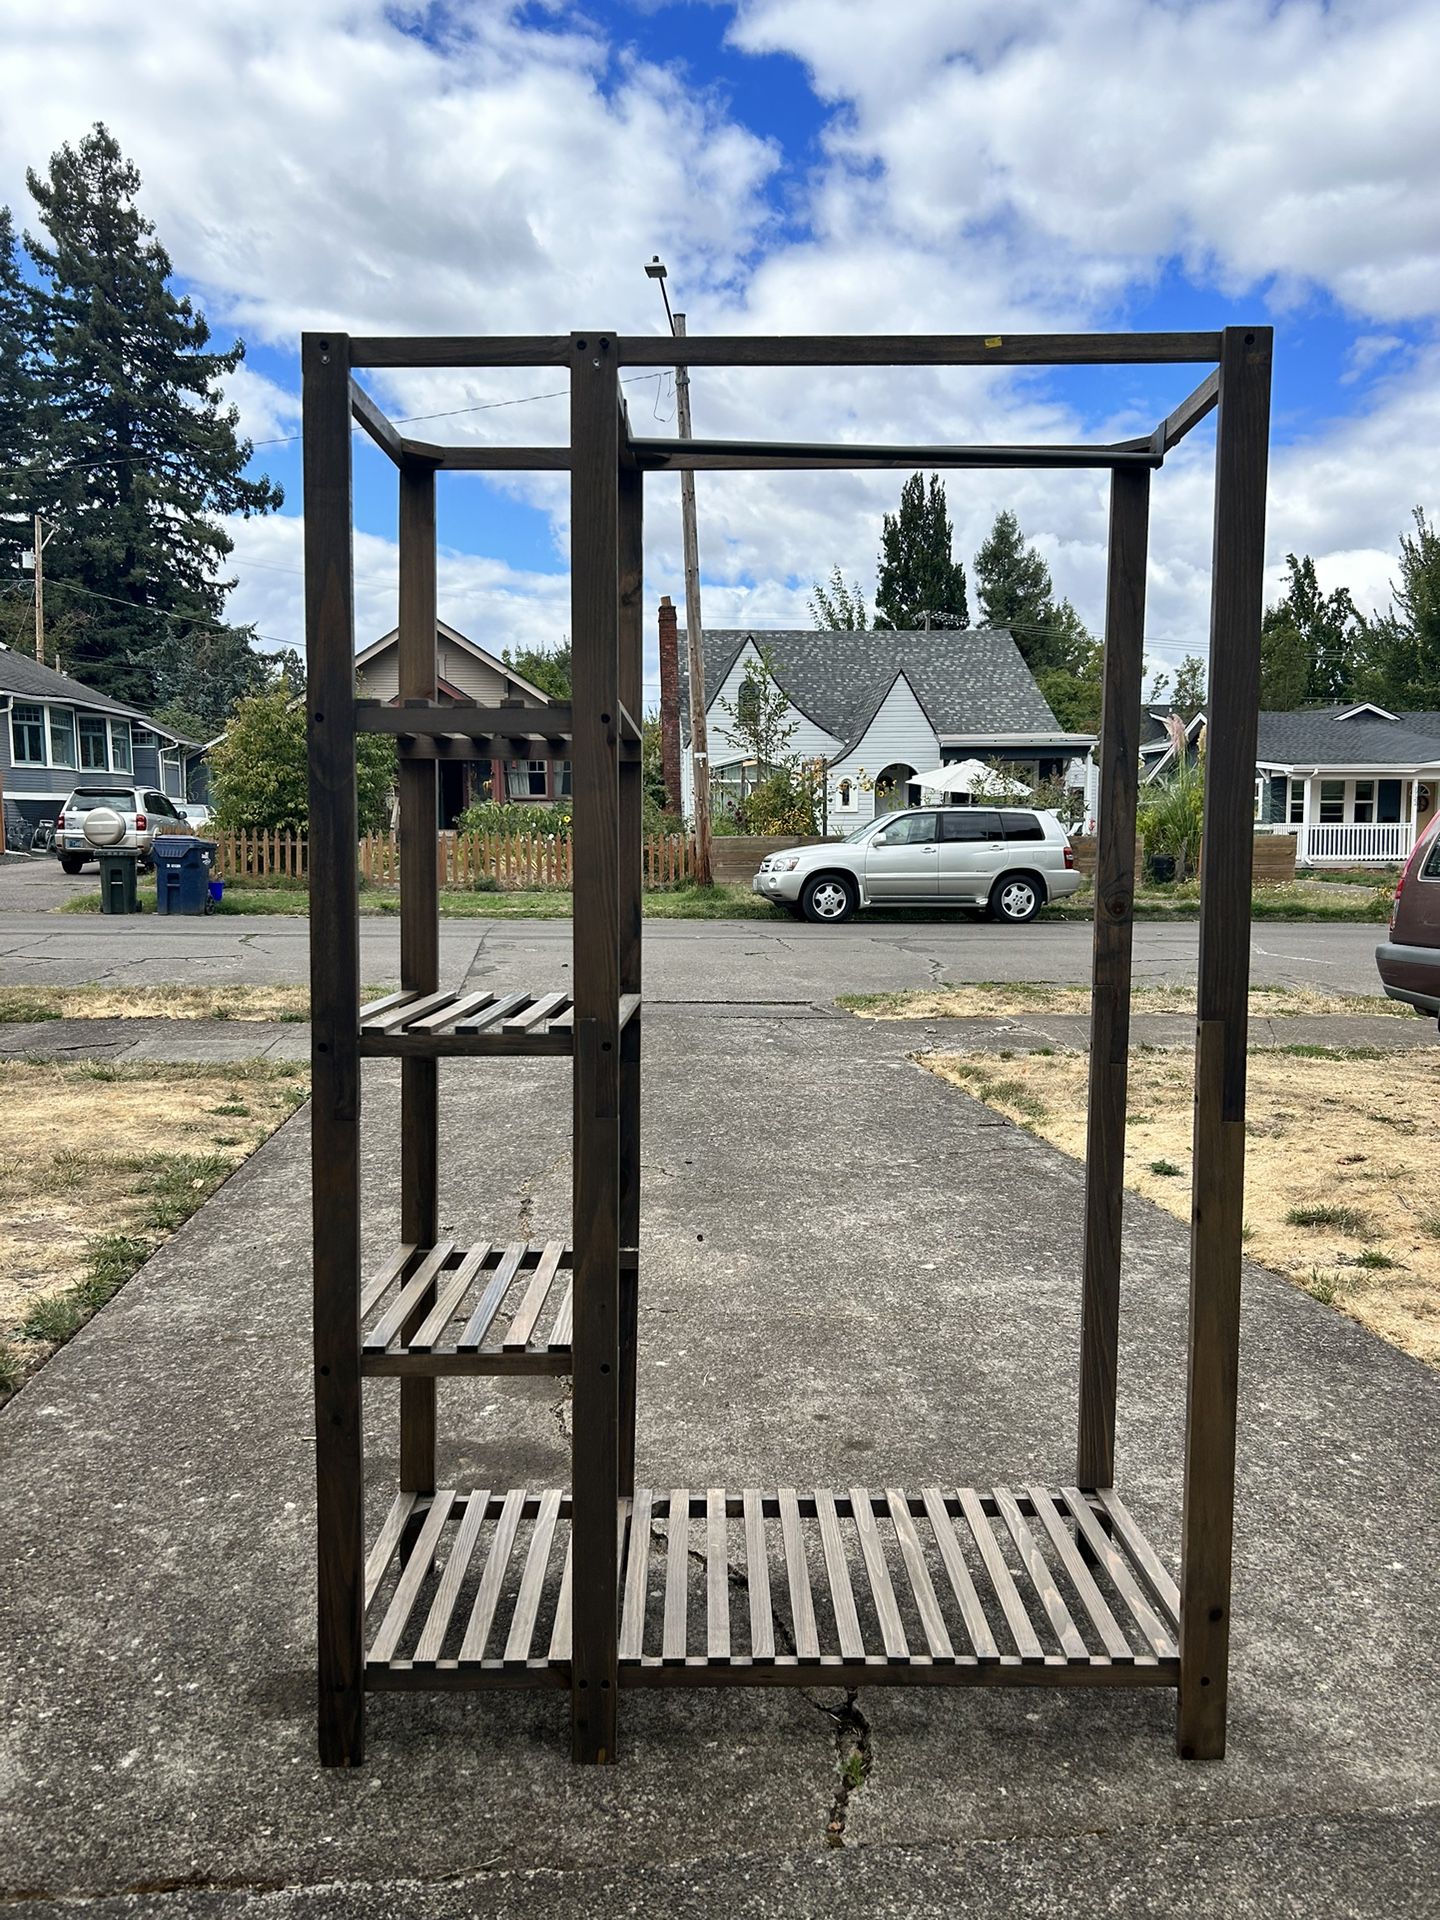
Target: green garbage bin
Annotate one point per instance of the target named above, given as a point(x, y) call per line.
point(117, 883)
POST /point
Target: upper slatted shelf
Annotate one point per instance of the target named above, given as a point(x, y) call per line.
point(1024, 1587)
point(428, 1025)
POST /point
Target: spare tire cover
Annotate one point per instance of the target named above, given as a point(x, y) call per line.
point(104, 827)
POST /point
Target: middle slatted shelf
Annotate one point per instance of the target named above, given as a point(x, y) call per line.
point(496, 1307)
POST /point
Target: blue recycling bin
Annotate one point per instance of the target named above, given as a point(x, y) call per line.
point(182, 873)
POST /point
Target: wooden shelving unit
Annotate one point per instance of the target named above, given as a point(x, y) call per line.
point(602, 1585)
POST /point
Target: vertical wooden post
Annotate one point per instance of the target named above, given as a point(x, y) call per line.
point(419, 945)
point(1237, 595)
point(1110, 991)
point(632, 652)
point(334, 1048)
point(595, 590)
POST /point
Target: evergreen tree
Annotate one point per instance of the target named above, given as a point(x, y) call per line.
point(837, 607)
point(141, 452)
point(1014, 588)
point(918, 576)
point(17, 420)
point(1402, 648)
point(1309, 643)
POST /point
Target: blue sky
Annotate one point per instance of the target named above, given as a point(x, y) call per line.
point(975, 165)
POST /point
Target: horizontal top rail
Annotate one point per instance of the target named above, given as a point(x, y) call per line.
point(793, 350)
point(738, 456)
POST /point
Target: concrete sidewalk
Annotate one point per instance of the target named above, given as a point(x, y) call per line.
point(853, 1274)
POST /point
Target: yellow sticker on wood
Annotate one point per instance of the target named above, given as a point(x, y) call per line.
point(996, 342)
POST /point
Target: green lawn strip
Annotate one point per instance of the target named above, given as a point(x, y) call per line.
point(172, 1186)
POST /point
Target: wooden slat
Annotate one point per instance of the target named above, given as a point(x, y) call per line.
point(1072, 1643)
point(491, 1016)
point(414, 1290)
point(487, 1595)
point(517, 1337)
point(958, 1573)
point(413, 1576)
point(462, 1551)
point(460, 350)
point(637, 1578)
point(717, 1578)
point(757, 1580)
point(448, 1015)
point(1094, 1602)
point(465, 718)
point(1114, 884)
point(565, 1019)
point(894, 350)
point(560, 1333)
point(478, 458)
point(1016, 1619)
point(1222, 996)
point(538, 1014)
point(800, 456)
point(391, 1271)
point(892, 1632)
point(842, 1596)
point(677, 1578)
point(1143, 1556)
point(560, 1628)
point(931, 1618)
point(386, 1541)
point(797, 1572)
point(384, 1004)
point(532, 1581)
point(1190, 412)
point(447, 1303)
point(1161, 1642)
point(397, 1018)
point(472, 1334)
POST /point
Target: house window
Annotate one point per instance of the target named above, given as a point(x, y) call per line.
point(1259, 796)
point(27, 736)
point(1332, 803)
point(172, 772)
point(1364, 802)
point(1297, 803)
point(62, 737)
point(562, 780)
point(747, 702)
point(120, 746)
point(94, 748)
point(526, 780)
point(846, 791)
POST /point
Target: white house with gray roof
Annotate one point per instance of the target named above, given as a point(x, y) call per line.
point(879, 707)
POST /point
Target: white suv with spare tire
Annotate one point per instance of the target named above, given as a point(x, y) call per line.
point(103, 818)
point(1007, 861)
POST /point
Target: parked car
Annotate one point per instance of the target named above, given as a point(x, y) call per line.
point(197, 813)
point(1409, 961)
point(1008, 861)
point(143, 813)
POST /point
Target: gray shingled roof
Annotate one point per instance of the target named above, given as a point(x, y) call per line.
point(971, 681)
point(1318, 737)
point(28, 680)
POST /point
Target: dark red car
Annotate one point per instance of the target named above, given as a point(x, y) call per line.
point(1409, 961)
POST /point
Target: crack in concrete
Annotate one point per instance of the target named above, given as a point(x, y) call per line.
point(854, 1760)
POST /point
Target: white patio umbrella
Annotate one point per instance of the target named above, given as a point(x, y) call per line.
point(965, 776)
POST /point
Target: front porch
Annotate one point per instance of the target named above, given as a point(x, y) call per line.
point(1348, 819)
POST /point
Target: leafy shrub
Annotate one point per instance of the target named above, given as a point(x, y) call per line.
point(493, 816)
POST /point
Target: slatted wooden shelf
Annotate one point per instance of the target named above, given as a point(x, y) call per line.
point(947, 1587)
point(452, 1023)
point(498, 1307)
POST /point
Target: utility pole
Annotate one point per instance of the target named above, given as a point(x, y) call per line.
point(40, 538)
point(695, 655)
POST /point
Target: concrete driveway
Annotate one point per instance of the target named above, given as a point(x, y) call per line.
point(852, 1274)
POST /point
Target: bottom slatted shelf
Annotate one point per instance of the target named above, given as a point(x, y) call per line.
point(1032, 1587)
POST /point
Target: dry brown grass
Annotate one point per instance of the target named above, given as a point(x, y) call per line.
point(93, 1150)
point(154, 1003)
point(1340, 1135)
point(999, 999)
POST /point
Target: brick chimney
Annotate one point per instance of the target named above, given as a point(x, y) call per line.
point(670, 702)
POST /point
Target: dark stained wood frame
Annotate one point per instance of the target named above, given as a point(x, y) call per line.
point(1079, 1535)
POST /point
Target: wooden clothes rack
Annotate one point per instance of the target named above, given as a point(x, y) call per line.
point(589, 1588)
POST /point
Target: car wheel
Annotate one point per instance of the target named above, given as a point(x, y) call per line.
point(828, 899)
point(70, 863)
point(1016, 898)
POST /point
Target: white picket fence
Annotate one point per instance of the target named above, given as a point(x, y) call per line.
point(1372, 844)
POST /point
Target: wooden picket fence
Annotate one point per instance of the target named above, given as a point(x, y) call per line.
point(511, 860)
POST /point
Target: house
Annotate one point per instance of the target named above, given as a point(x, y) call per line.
point(467, 672)
point(59, 732)
point(1356, 784)
point(877, 707)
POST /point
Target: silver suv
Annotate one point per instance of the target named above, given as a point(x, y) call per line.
point(1009, 861)
point(143, 812)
